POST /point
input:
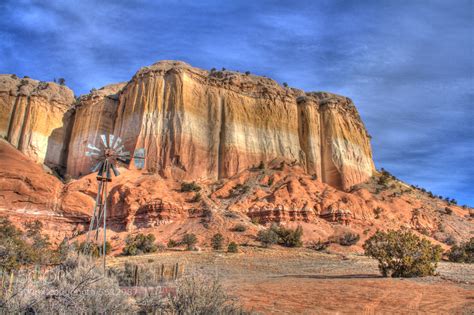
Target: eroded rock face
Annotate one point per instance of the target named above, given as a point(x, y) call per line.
point(33, 117)
point(94, 115)
point(194, 124)
point(197, 124)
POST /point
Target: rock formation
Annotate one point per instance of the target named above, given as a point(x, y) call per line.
point(259, 151)
point(33, 118)
point(196, 124)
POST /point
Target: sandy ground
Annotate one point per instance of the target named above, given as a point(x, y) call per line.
point(302, 281)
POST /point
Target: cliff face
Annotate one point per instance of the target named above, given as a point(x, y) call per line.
point(194, 124)
point(93, 115)
point(33, 118)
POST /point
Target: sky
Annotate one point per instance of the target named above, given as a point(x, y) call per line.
point(407, 65)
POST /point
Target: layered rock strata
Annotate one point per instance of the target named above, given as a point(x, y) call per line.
point(33, 118)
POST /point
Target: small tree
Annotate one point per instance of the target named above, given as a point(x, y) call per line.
point(139, 244)
point(267, 237)
point(403, 254)
point(190, 241)
point(232, 247)
point(216, 241)
point(192, 186)
point(349, 239)
point(463, 253)
point(61, 81)
point(172, 243)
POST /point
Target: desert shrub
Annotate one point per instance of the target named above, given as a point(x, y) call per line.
point(197, 294)
point(285, 84)
point(247, 72)
point(139, 244)
point(232, 247)
point(189, 240)
point(289, 237)
point(172, 243)
point(94, 249)
point(448, 210)
point(267, 237)
point(349, 239)
point(403, 254)
point(377, 212)
point(319, 246)
point(190, 187)
point(281, 235)
point(463, 253)
point(217, 241)
point(239, 189)
point(196, 198)
point(239, 228)
point(76, 285)
point(18, 248)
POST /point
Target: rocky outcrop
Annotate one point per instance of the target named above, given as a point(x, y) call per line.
point(94, 115)
point(33, 118)
point(196, 124)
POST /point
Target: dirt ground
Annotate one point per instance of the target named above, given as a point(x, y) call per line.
point(302, 281)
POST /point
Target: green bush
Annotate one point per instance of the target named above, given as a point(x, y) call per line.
point(463, 253)
point(403, 254)
point(94, 249)
point(239, 228)
point(349, 239)
point(190, 187)
point(172, 243)
point(190, 241)
point(18, 248)
point(267, 237)
point(139, 244)
point(217, 241)
point(281, 235)
point(196, 198)
point(232, 247)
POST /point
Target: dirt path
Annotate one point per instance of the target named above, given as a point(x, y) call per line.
point(300, 281)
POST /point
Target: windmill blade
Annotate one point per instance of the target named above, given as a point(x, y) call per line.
point(90, 146)
point(111, 140)
point(104, 140)
point(120, 149)
point(102, 169)
point(115, 170)
point(139, 158)
point(88, 153)
point(97, 166)
point(118, 141)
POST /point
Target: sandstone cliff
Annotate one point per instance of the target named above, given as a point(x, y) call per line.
point(33, 118)
point(196, 124)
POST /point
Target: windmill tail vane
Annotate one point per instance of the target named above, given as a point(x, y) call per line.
point(107, 155)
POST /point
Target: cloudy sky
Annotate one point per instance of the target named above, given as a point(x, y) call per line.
point(408, 65)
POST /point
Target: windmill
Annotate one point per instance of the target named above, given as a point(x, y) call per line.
point(107, 155)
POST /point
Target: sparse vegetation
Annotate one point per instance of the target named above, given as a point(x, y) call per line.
point(139, 244)
point(232, 247)
point(61, 81)
point(349, 239)
point(93, 249)
point(217, 241)
point(192, 186)
point(403, 254)
point(377, 212)
point(239, 228)
point(285, 84)
point(189, 240)
point(196, 198)
point(172, 243)
point(281, 235)
point(463, 253)
point(247, 72)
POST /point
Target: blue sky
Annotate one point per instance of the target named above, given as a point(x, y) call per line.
point(408, 65)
